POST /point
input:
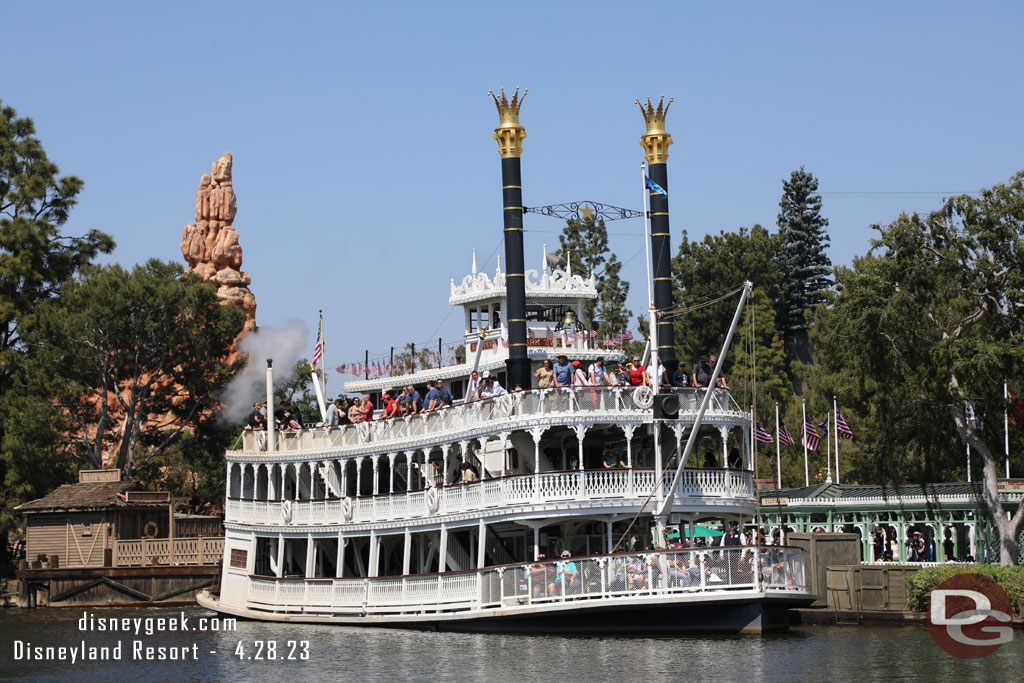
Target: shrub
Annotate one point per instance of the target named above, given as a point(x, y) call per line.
point(921, 584)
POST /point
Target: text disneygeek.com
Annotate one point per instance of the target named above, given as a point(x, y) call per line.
point(135, 649)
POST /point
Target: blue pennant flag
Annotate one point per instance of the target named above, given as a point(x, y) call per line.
point(654, 187)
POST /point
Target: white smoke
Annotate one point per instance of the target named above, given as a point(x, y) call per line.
point(284, 345)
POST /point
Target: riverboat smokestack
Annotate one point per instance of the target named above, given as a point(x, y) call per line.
point(271, 446)
point(510, 136)
point(656, 142)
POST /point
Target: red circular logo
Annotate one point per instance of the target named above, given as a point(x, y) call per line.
point(969, 616)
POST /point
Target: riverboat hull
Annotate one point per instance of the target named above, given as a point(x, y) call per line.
point(738, 612)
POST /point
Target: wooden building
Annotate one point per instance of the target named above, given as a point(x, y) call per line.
point(104, 522)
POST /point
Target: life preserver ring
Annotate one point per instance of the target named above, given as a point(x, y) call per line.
point(643, 397)
point(151, 529)
point(432, 500)
point(286, 511)
point(346, 508)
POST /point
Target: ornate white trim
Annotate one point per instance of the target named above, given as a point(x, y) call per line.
point(556, 284)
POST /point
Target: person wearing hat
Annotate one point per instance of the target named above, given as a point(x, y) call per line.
point(563, 371)
point(567, 577)
point(916, 546)
point(702, 371)
point(733, 535)
point(579, 378)
point(391, 407)
point(637, 372)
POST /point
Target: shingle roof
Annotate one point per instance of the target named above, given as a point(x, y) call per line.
point(83, 496)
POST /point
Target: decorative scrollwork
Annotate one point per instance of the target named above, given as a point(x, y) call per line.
point(574, 210)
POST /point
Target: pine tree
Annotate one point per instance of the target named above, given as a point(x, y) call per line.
point(585, 242)
point(804, 267)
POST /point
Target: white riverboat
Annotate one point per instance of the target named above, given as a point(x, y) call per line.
point(362, 524)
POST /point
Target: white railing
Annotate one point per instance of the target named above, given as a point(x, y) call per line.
point(585, 488)
point(164, 551)
point(450, 423)
point(651, 575)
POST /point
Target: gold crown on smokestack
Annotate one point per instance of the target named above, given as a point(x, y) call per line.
point(508, 110)
point(656, 140)
point(509, 133)
point(655, 117)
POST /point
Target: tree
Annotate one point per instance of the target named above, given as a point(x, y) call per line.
point(804, 266)
point(934, 317)
point(585, 243)
point(36, 259)
point(132, 361)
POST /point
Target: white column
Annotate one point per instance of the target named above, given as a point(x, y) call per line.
point(391, 472)
point(408, 471)
point(629, 445)
point(280, 556)
point(341, 554)
point(406, 552)
point(374, 552)
point(536, 541)
point(608, 534)
point(359, 474)
point(724, 431)
point(481, 544)
point(442, 561)
point(376, 476)
point(310, 558)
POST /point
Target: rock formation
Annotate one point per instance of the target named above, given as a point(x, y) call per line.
point(210, 245)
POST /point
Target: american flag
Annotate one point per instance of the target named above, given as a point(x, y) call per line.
point(841, 427)
point(627, 336)
point(762, 436)
point(318, 350)
point(342, 369)
point(785, 438)
point(811, 438)
point(551, 335)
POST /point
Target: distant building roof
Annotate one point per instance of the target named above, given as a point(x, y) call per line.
point(88, 496)
point(851, 493)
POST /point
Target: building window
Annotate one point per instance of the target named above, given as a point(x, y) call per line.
point(87, 528)
point(238, 558)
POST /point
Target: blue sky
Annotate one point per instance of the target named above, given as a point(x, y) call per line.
point(364, 164)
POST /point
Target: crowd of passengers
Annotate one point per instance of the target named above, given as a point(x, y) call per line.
point(637, 572)
point(562, 373)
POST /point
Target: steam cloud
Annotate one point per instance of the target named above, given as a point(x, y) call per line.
point(284, 345)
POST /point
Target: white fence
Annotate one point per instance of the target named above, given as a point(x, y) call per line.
point(651, 575)
point(459, 419)
point(585, 487)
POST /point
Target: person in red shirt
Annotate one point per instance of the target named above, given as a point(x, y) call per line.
point(390, 406)
point(637, 372)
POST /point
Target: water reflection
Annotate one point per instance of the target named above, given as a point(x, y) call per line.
point(339, 653)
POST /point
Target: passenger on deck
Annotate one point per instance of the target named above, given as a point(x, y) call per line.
point(567, 577)
point(332, 414)
point(710, 460)
point(579, 378)
point(720, 383)
point(432, 399)
point(491, 388)
point(596, 373)
point(391, 407)
point(355, 411)
point(537, 574)
point(415, 401)
point(444, 395)
point(680, 378)
point(563, 371)
point(701, 375)
point(473, 386)
point(256, 418)
point(367, 408)
point(610, 460)
point(469, 475)
point(637, 372)
point(545, 376)
point(735, 461)
point(620, 377)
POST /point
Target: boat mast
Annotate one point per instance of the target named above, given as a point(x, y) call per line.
point(667, 503)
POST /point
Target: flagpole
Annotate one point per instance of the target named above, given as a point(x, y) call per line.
point(803, 410)
point(323, 362)
point(1006, 427)
point(835, 425)
point(778, 450)
point(828, 450)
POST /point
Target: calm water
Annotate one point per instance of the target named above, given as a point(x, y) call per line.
point(350, 654)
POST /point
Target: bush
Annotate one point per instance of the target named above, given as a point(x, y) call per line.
point(921, 584)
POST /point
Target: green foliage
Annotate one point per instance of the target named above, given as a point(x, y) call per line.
point(36, 259)
point(921, 584)
point(929, 322)
point(130, 361)
point(585, 242)
point(803, 265)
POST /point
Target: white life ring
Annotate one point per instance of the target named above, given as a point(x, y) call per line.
point(286, 511)
point(432, 500)
point(346, 508)
point(151, 529)
point(643, 397)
